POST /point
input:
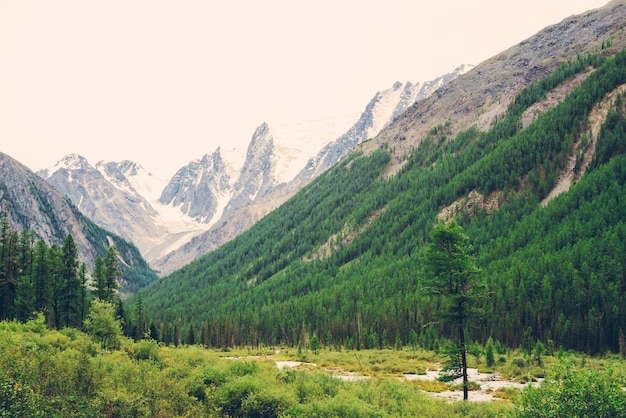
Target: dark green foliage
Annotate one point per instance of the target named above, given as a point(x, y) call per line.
point(452, 275)
point(341, 257)
point(134, 271)
point(489, 353)
point(37, 278)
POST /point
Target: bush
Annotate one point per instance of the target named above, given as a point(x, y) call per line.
point(148, 350)
point(243, 368)
point(582, 393)
point(234, 393)
point(267, 403)
point(519, 362)
point(17, 400)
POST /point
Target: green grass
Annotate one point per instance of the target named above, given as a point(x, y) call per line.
point(67, 373)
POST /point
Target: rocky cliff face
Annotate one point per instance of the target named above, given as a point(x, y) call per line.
point(258, 175)
point(106, 195)
point(32, 203)
point(199, 188)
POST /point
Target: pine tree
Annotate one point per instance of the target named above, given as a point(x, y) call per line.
point(99, 279)
point(489, 353)
point(111, 274)
point(622, 343)
point(84, 297)
point(41, 273)
point(140, 317)
point(8, 269)
point(315, 344)
point(70, 284)
point(25, 298)
point(451, 273)
point(55, 274)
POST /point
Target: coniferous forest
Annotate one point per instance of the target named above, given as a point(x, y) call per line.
point(342, 260)
point(349, 264)
point(35, 277)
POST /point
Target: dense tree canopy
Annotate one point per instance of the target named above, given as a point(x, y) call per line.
point(35, 277)
point(339, 259)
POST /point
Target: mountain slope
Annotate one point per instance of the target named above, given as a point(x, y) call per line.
point(341, 259)
point(382, 110)
point(110, 191)
point(199, 188)
point(265, 183)
point(482, 95)
point(31, 203)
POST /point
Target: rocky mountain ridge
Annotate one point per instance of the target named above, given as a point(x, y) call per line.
point(33, 204)
point(213, 199)
point(382, 110)
point(481, 96)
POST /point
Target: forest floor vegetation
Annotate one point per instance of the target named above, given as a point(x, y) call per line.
point(70, 373)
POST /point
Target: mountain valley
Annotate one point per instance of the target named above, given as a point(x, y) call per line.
point(215, 198)
point(465, 238)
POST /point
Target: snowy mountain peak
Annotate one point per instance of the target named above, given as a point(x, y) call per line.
point(262, 137)
point(130, 168)
point(384, 107)
point(462, 69)
point(70, 162)
point(73, 162)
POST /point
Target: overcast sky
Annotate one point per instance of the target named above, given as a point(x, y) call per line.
point(164, 82)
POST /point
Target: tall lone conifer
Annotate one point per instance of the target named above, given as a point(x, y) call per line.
point(451, 273)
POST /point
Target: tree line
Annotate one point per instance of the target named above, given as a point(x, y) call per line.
point(37, 277)
point(341, 260)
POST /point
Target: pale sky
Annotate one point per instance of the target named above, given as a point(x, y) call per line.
point(164, 82)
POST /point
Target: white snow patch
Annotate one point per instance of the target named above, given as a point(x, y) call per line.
point(223, 199)
point(147, 185)
point(234, 157)
point(383, 111)
point(296, 142)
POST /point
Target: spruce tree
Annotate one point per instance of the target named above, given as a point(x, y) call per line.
point(451, 273)
point(70, 284)
point(111, 273)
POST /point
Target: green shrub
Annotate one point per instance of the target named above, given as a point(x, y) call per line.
point(584, 393)
point(147, 350)
point(233, 394)
point(243, 368)
point(343, 405)
point(17, 400)
point(267, 402)
point(519, 362)
point(212, 376)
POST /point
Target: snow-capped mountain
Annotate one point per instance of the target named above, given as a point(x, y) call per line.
point(213, 199)
point(200, 188)
point(384, 107)
point(121, 198)
point(30, 203)
point(259, 171)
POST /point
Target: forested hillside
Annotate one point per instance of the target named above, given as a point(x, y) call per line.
point(342, 259)
point(51, 280)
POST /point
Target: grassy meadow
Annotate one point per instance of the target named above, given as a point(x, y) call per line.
point(68, 373)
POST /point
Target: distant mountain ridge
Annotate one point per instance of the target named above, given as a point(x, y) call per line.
point(216, 197)
point(382, 110)
point(33, 204)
